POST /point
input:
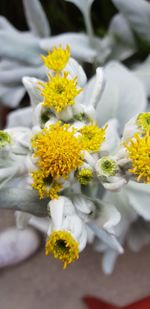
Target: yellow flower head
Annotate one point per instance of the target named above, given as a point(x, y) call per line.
point(63, 247)
point(143, 121)
point(57, 150)
point(139, 152)
point(84, 176)
point(92, 137)
point(57, 59)
point(45, 186)
point(59, 92)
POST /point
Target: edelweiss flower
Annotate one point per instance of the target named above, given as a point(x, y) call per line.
point(59, 92)
point(140, 123)
point(138, 150)
point(66, 157)
point(57, 58)
point(60, 150)
point(63, 247)
point(133, 155)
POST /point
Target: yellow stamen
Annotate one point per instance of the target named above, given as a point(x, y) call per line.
point(57, 150)
point(57, 59)
point(45, 185)
point(139, 152)
point(92, 137)
point(59, 92)
point(63, 247)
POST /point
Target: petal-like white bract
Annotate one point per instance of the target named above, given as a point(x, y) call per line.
point(36, 18)
point(31, 85)
point(138, 15)
point(121, 96)
point(139, 198)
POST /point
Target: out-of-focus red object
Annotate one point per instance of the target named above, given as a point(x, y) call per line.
point(95, 303)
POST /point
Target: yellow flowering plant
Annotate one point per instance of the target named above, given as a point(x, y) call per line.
point(67, 157)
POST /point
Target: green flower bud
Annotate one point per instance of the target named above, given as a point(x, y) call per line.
point(4, 139)
point(106, 166)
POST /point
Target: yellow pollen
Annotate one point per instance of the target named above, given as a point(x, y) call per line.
point(59, 92)
point(57, 59)
point(92, 137)
point(63, 247)
point(45, 186)
point(143, 121)
point(57, 150)
point(139, 152)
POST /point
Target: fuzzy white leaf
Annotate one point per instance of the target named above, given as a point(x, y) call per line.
point(11, 95)
point(17, 245)
point(41, 224)
point(98, 87)
point(137, 12)
point(123, 44)
point(20, 47)
point(106, 237)
point(22, 199)
point(14, 75)
point(139, 197)
point(108, 261)
point(36, 18)
point(142, 71)
point(56, 208)
point(31, 84)
point(20, 117)
point(109, 217)
point(123, 95)
point(75, 69)
point(6, 25)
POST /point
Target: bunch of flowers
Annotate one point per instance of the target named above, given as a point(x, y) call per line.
point(60, 168)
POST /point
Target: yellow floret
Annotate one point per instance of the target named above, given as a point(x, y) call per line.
point(59, 92)
point(57, 150)
point(63, 247)
point(57, 59)
point(138, 150)
point(92, 137)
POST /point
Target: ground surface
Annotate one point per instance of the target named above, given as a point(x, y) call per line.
point(41, 283)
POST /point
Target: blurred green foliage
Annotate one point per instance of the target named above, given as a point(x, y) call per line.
point(63, 16)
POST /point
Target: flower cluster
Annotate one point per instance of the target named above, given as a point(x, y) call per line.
point(136, 143)
point(66, 158)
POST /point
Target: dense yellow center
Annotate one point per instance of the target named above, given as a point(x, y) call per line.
point(57, 59)
point(139, 152)
point(59, 92)
point(63, 247)
point(92, 137)
point(57, 150)
point(143, 121)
